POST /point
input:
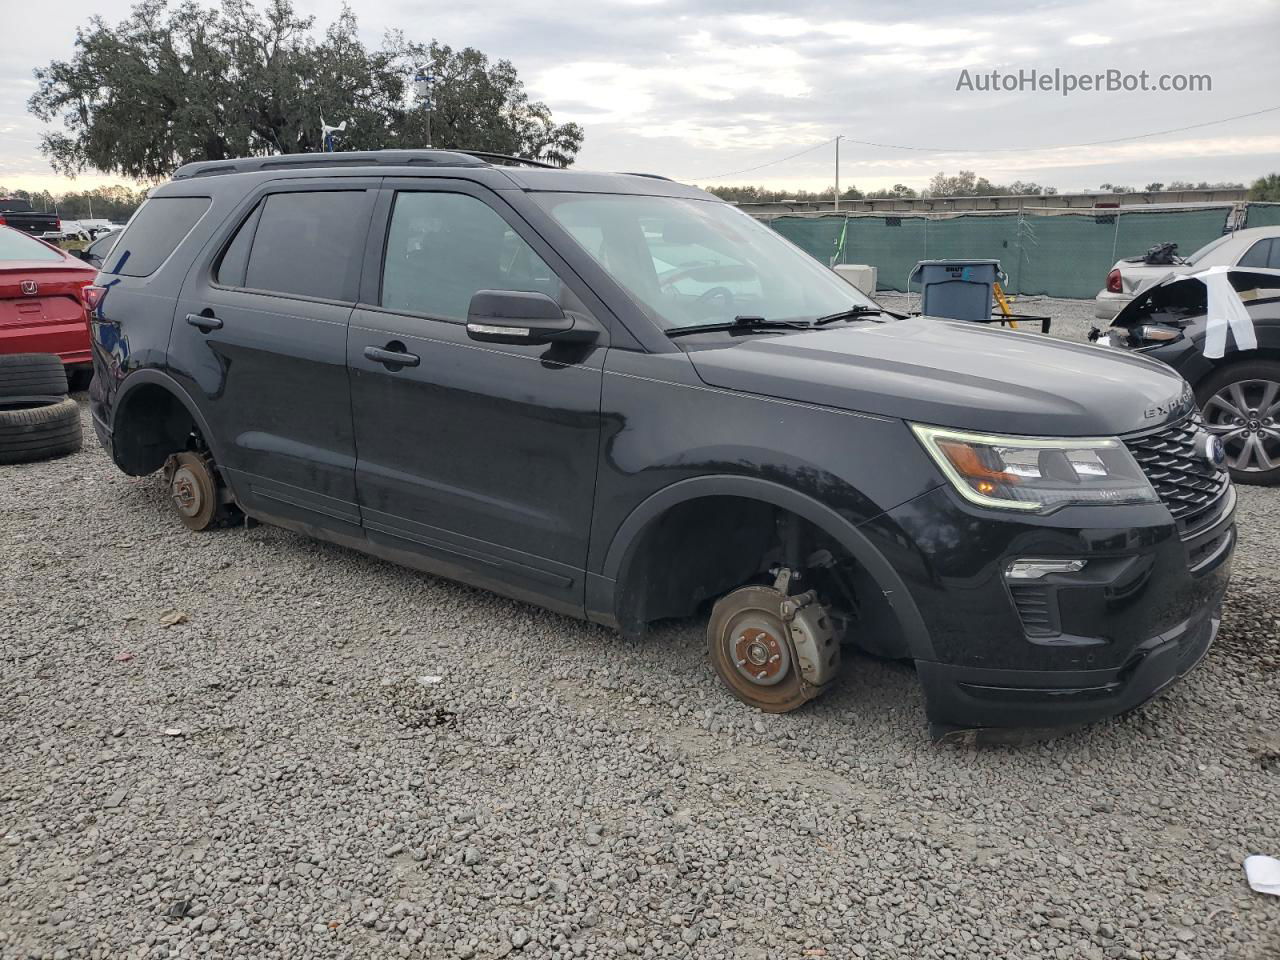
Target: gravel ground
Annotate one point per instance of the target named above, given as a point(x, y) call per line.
point(218, 745)
point(1071, 319)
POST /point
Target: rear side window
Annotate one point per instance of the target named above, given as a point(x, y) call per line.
point(1256, 255)
point(303, 243)
point(17, 246)
point(156, 229)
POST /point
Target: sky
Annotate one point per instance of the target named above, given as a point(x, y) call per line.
point(717, 91)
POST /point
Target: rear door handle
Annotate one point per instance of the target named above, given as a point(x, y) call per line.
point(204, 321)
point(393, 355)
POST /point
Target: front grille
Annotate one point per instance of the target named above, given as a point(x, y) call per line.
point(1183, 479)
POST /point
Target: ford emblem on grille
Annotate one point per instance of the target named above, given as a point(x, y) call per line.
point(30, 288)
point(1212, 450)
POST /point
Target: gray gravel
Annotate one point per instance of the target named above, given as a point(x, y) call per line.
point(265, 776)
point(1070, 319)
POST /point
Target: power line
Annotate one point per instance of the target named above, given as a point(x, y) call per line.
point(1066, 146)
point(734, 173)
point(1060, 146)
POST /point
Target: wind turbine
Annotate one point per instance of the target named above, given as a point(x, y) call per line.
point(328, 134)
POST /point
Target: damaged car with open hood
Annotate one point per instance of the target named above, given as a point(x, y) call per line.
point(625, 400)
point(1221, 331)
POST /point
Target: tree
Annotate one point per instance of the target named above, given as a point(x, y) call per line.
point(1158, 186)
point(899, 191)
point(173, 84)
point(1266, 188)
point(968, 184)
point(101, 203)
point(479, 106)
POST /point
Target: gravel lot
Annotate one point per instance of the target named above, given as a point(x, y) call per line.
point(217, 745)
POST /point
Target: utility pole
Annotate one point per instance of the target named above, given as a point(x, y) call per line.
point(838, 139)
point(422, 82)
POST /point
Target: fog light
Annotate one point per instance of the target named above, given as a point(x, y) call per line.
point(1028, 569)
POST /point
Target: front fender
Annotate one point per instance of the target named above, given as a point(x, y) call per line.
point(603, 587)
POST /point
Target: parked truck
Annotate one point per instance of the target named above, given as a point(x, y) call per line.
point(20, 215)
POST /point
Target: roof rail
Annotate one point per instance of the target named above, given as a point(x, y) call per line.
point(348, 158)
point(651, 176)
point(506, 160)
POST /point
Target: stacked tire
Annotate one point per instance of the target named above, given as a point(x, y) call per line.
point(38, 420)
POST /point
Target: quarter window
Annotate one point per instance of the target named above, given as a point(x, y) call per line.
point(155, 230)
point(1258, 255)
point(444, 247)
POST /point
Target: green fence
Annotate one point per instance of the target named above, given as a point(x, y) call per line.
point(1057, 254)
point(1262, 215)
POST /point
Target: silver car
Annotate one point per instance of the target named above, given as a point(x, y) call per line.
point(1255, 247)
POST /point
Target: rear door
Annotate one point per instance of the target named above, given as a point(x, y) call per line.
point(478, 460)
point(259, 339)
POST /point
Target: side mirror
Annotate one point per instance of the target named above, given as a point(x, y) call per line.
point(509, 316)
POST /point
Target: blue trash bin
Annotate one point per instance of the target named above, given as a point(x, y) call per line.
point(958, 289)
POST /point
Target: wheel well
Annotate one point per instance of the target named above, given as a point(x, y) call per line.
point(151, 425)
point(702, 548)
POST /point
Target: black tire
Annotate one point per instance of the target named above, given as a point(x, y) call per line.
point(32, 375)
point(1251, 378)
point(38, 428)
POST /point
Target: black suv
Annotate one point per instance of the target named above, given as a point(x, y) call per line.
point(624, 400)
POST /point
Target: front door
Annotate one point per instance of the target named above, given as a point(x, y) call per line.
point(477, 459)
point(260, 340)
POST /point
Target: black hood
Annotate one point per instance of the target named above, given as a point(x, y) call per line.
point(955, 374)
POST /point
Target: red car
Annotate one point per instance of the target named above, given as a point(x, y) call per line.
point(42, 304)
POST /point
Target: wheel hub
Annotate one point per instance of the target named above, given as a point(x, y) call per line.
point(758, 652)
point(185, 491)
point(1244, 415)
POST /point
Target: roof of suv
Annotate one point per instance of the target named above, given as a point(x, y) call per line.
point(524, 174)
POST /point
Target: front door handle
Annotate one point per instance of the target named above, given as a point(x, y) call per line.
point(393, 355)
point(204, 321)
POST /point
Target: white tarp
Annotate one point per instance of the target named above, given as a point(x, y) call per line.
point(1223, 310)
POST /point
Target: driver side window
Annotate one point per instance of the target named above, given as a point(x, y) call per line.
point(444, 247)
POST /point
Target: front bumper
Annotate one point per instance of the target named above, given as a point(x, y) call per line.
point(1079, 646)
point(968, 698)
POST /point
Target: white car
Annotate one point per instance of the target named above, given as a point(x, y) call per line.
point(1255, 247)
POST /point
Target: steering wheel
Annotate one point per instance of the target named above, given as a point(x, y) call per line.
point(717, 298)
point(680, 273)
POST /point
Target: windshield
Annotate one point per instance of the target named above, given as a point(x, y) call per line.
point(693, 262)
point(1207, 248)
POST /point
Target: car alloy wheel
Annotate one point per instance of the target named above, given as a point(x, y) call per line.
point(1245, 414)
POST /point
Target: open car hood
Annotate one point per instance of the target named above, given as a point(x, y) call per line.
point(1180, 297)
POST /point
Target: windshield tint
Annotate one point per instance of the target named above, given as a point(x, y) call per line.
point(692, 262)
point(17, 246)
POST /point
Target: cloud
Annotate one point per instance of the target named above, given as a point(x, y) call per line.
point(685, 87)
point(1088, 40)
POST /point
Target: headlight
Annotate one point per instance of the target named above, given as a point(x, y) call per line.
point(1033, 473)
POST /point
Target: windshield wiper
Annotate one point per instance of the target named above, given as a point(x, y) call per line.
point(861, 310)
point(740, 325)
